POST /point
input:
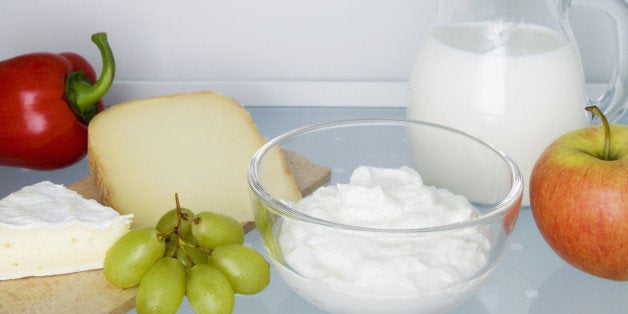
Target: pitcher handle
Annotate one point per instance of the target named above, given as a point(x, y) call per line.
point(614, 101)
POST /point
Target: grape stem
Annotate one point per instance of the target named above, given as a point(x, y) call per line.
point(179, 216)
point(182, 243)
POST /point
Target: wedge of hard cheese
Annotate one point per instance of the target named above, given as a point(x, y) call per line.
point(198, 145)
point(46, 229)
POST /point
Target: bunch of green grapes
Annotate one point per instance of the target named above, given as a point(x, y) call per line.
point(201, 256)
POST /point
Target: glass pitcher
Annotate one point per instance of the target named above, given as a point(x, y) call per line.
point(509, 71)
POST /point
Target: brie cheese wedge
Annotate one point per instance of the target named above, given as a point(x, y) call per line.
point(47, 229)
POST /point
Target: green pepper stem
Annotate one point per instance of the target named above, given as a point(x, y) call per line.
point(80, 92)
point(607, 130)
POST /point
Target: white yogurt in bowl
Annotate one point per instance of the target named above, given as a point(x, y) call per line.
point(348, 271)
point(384, 240)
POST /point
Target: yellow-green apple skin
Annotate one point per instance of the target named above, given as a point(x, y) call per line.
point(580, 201)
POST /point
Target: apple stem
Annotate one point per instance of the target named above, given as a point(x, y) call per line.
point(607, 130)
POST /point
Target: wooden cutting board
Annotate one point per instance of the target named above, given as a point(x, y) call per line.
point(89, 291)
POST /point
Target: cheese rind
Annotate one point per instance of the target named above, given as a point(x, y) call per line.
point(198, 145)
point(46, 229)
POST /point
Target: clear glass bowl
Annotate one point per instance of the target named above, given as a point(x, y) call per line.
point(346, 268)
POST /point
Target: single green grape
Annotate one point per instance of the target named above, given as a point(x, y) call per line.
point(213, 229)
point(168, 222)
point(172, 243)
point(188, 255)
point(245, 268)
point(208, 290)
point(197, 256)
point(162, 288)
point(130, 257)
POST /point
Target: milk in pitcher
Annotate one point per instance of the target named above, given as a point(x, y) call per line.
point(516, 86)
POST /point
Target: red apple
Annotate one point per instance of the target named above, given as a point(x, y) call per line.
point(579, 198)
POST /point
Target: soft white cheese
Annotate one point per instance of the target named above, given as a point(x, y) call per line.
point(361, 272)
point(47, 229)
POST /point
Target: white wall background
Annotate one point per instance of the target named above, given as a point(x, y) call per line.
point(332, 41)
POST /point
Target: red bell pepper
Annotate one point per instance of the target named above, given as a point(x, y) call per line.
point(46, 102)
